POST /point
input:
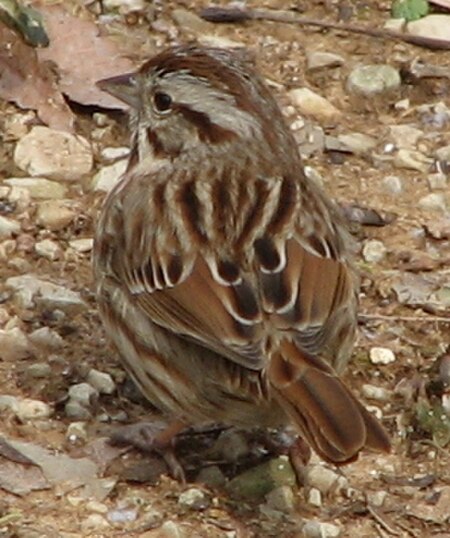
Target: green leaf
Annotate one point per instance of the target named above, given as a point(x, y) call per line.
point(411, 10)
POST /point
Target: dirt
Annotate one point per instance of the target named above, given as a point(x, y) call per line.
point(417, 472)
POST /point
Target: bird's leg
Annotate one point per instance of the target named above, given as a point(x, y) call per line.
point(153, 437)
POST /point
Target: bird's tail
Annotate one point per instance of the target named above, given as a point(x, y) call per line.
point(330, 417)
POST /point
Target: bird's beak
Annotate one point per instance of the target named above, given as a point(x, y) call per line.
point(124, 87)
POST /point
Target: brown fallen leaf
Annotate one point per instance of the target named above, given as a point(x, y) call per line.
point(82, 57)
point(30, 84)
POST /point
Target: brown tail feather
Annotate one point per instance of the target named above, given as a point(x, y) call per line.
point(333, 421)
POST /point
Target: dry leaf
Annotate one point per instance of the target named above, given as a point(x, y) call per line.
point(82, 57)
point(29, 84)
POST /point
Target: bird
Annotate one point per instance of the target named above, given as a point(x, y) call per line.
point(223, 274)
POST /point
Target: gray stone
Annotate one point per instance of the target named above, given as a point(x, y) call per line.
point(76, 411)
point(373, 392)
point(46, 338)
point(322, 478)
point(101, 381)
point(211, 476)
point(405, 136)
point(437, 181)
point(372, 79)
point(412, 160)
point(84, 394)
point(358, 143)
point(40, 370)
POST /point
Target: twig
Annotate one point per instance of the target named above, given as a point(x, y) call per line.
point(421, 319)
point(221, 15)
point(384, 524)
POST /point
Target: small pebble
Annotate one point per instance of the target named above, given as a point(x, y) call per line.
point(14, 345)
point(381, 355)
point(320, 59)
point(433, 202)
point(281, 498)
point(376, 393)
point(48, 249)
point(111, 154)
point(55, 214)
point(108, 176)
point(39, 188)
point(318, 529)
point(32, 410)
point(101, 381)
point(97, 507)
point(313, 104)
point(83, 393)
point(76, 432)
point(315, 497)
point(322, 478)
point(82, 245)
point(53, 154)
point(8, 227)
point(437, 181)
point(46, 338)
point(374, 251)
point(76, 411)
point(412, 160)
point(94, 523)
point(393, 185)
point(194, 499)
point(40, 370)
point(211, 476)
point(377, 498)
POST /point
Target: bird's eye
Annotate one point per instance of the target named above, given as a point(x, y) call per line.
point(162, 101)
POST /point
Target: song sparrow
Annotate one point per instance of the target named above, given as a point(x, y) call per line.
point(222, 272)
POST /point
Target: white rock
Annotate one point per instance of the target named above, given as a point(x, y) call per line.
point(106, 178)
point(94, 523)
point(170, 529)
point(318, 529)
point(97, 507)
point(101, 381)
point(48, 249)
point(46, 338)
point(381, 355)
point(111, 154)
point(376, 498)
point(395, 25)
point(433, 202)
point(376, 393)
point(435, 26)
point(8, 403)
point(192, 497)
point(313, 104)
point(369, 80)
point(322, 478)
point(316, 59)
point(374, 251)
point(30, 291)
point(315, 497)
point(8, 227)
point(32, 410)
point(393, 185)
point(14, 344)
point(76, 432)
point(82, 245)
point(55, 214)
point(53, 154)
point(39, 188)
point(125, 6)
